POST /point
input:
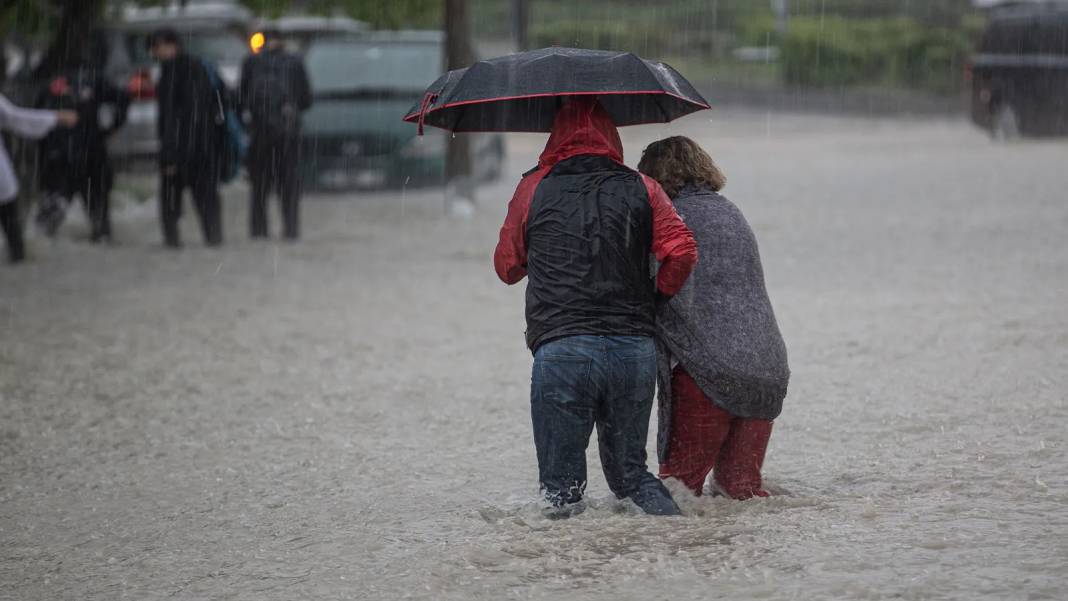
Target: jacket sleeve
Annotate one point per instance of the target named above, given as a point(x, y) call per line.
point(243, 88)
point(510, 258)
point(28, 123)
point(673, 243)
point(120, 102)
point(303, 91)
point(166, 120)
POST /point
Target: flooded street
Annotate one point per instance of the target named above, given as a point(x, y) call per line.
point(348, 417)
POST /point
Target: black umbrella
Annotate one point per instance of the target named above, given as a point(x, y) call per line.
point(520, 92)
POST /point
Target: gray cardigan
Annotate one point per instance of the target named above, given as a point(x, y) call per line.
point(720, 327)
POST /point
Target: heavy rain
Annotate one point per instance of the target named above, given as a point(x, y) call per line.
point(254, 342)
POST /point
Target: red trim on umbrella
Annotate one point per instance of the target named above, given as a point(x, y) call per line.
point(525, 131)
point(427, 99)
point(421, 114)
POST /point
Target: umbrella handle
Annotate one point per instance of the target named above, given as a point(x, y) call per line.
point(428, 98)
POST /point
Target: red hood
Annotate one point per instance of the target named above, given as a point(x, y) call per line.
point(582, 126)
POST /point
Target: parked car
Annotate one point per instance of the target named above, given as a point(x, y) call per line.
point(214, 31)
point(299, 31)
point(1020, 73)
point(353, 134)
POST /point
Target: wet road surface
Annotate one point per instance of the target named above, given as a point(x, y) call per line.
point(347, 417)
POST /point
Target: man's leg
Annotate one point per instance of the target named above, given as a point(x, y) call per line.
point(206, 197)
point(170, 208)
point(289, 189)
point(698, 429)
point(562, 412)
point(260, 169)
point(12, 226)
point(738, 465)
point(52, 210)
point(95, 191)
point(624, 427)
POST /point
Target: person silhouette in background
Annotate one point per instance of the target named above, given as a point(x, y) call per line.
point(273, 92)
point(28, 123)
point(581, 228)
point(75, 160)
point(190, 138)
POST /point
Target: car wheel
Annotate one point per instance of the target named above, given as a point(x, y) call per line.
point(1005, 125)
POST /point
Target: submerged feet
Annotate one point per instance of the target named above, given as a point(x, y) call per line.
point(654, 499)
point(560, 512)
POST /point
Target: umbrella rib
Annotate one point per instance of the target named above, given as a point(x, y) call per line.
point(660, 105)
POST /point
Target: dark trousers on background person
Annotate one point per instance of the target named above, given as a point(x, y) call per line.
point(274, 164)
point(94, 187)
point(95, 191)
point(12, 226)
point(203, 182)
point(607, 381)
point(704, 437)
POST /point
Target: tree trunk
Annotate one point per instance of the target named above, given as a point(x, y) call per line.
point(459, 185)
point(71, 41)
point(520, 23)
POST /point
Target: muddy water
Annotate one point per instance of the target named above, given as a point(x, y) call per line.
point(347, 418)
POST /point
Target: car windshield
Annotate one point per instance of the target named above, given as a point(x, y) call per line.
point(225, 47)
point(348, 66)
point(216, 46)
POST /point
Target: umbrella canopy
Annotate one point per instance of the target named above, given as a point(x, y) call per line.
point(520, 92)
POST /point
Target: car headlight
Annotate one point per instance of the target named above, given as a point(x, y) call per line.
point(431, 144)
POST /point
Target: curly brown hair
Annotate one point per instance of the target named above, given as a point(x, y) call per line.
point(678, 161)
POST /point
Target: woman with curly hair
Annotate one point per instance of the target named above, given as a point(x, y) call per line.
point(722, 361)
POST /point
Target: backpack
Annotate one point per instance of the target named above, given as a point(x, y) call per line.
point(234, 138)
point(274, 112)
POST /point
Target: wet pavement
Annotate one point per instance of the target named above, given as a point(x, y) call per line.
point(347, 417)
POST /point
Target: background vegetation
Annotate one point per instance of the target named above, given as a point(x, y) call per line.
point(893, 43)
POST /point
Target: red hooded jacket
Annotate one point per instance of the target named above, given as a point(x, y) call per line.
point(593, 198)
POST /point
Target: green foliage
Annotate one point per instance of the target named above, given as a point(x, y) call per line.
point(24, 17)
point(267, 8)
point(602, 35)
point(381, 15)
point(894, 52)
point(42, 17)
point(757, 29)
point(932, 12)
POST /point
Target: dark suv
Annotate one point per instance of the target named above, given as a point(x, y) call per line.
point(1020, 74)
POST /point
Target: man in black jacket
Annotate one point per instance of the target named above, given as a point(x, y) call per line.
point(274, 91)
point(190, 138)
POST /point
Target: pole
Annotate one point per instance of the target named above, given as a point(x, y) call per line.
point(520, 23)
point(459, 185)
point(781, 9)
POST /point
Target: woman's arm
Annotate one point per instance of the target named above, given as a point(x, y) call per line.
point(673, 243)
point(28, 123)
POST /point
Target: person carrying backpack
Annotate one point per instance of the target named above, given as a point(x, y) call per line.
point(192, 138)
point(274, 91)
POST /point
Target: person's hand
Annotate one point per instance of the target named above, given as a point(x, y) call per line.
point(169, 170)
point(67, 118)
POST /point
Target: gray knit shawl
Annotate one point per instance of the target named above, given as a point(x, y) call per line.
point(720, 327)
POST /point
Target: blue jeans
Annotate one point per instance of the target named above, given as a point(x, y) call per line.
point(607, 381)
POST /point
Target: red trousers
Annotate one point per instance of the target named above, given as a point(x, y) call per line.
point(705, 437)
